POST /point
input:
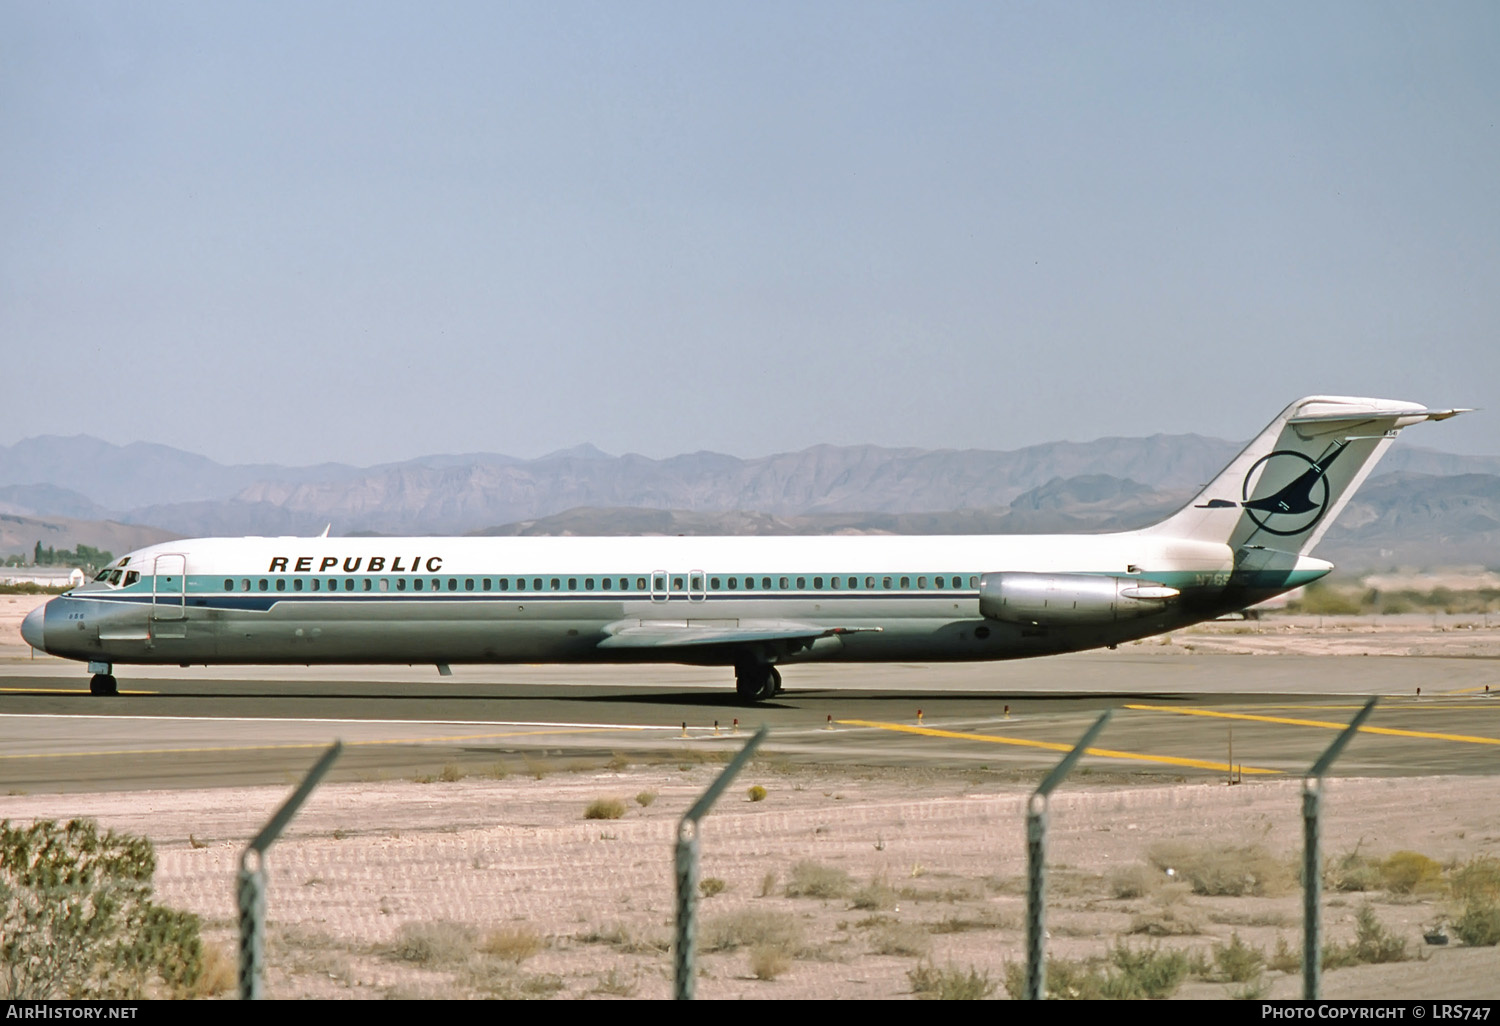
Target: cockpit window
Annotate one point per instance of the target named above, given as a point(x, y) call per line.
point(114, 578)
point(131, 576)
point(102, 574)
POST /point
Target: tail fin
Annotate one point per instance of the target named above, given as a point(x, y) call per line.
point(1284, 490)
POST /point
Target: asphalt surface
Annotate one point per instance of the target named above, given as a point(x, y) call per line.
point(1173, 717)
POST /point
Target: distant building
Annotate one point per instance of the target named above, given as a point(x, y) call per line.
point(42, 576)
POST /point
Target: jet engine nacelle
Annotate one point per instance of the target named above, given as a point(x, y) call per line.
point(1069, 599)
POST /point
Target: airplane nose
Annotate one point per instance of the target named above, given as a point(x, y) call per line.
point(31, 627)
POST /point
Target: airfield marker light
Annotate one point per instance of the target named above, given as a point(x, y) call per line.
point(716, 728)
point(736, 728)
point(919, 717)
point(829, 724)
point(1007, 712)
point(684, 728)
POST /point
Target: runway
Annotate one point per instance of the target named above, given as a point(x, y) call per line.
point(1175, 717)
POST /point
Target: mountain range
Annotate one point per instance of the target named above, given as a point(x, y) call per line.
point(1423, 507)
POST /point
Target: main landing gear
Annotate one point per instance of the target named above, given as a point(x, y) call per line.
point(756, 682)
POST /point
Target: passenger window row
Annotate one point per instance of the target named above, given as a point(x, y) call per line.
point(692, 582)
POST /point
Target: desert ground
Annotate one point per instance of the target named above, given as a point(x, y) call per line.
point(843, 880)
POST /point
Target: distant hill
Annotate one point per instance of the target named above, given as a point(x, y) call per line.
point(1425, 507)
point(19, 534)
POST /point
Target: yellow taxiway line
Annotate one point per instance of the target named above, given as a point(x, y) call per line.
point(1053, 746)
point(1326, 724)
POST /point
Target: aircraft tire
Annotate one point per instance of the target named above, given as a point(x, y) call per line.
point(755, 682)
point(103, 684)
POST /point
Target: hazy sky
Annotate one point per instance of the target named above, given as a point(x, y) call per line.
point(366, 231)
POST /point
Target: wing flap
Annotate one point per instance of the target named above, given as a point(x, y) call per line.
point(689, 633)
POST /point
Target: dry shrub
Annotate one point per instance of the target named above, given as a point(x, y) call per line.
point(1285, 958)
point(1135, 881)
point(1167, 921)
point(877, 894)
point(616, 984)
point(751, 928)
point(512, 943)
point(815, 880)
point(450, 773)
point(1477, 880)
point(220, 975)
point(756, 793)
point(1224, 870)
point(604, 808)
point(901, 939)
point(1353, 872)
point(625, 939)
point(436, 943)
point(950, 983)
point(768, 961)
point(711, 886)
point(1478, 925)
point(1410, 872)
point(645, 798)
point(1237, 961)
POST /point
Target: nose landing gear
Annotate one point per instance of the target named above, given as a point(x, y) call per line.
point(103, 684)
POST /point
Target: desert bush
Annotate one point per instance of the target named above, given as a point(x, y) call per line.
point(604, 808)
point(894, 938)
point(950, 983)
point(1135, 881)
point(616, 984)
point(750, 928)
point(711, 886)
point(1408, 872)
point(1353, 872)
point(1224, 870)
point(768, 961)
point(1323, 599)
point(1477, 879)
point(810, 879)
point(877, 894)
point(756, 793)
point(1237, 961)
point(1478, 925)
point(1285, 958)
point(645, 798)
point(625, 939)
point(436, 943)
point(1153, 972)
point(1133, 973)
point(512, 943)
point(77, 918)
point(1373, 942)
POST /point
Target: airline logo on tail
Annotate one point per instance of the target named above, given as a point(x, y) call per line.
point(1293, 506)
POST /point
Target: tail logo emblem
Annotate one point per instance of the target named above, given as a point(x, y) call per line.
point(1296, 504)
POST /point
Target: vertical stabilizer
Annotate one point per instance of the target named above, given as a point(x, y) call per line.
point(1284, 490)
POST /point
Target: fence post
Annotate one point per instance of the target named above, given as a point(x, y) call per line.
point(1036, 863)
point(683, 951)
point(1312, 872)
point(250, 889)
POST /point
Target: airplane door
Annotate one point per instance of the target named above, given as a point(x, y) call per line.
point(169, 596)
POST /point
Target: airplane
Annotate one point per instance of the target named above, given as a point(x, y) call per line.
point(751, 603)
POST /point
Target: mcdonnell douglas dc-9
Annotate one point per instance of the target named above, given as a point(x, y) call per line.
point(754, 604)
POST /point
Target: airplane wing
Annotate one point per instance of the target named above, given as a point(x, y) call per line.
point(679, 633)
